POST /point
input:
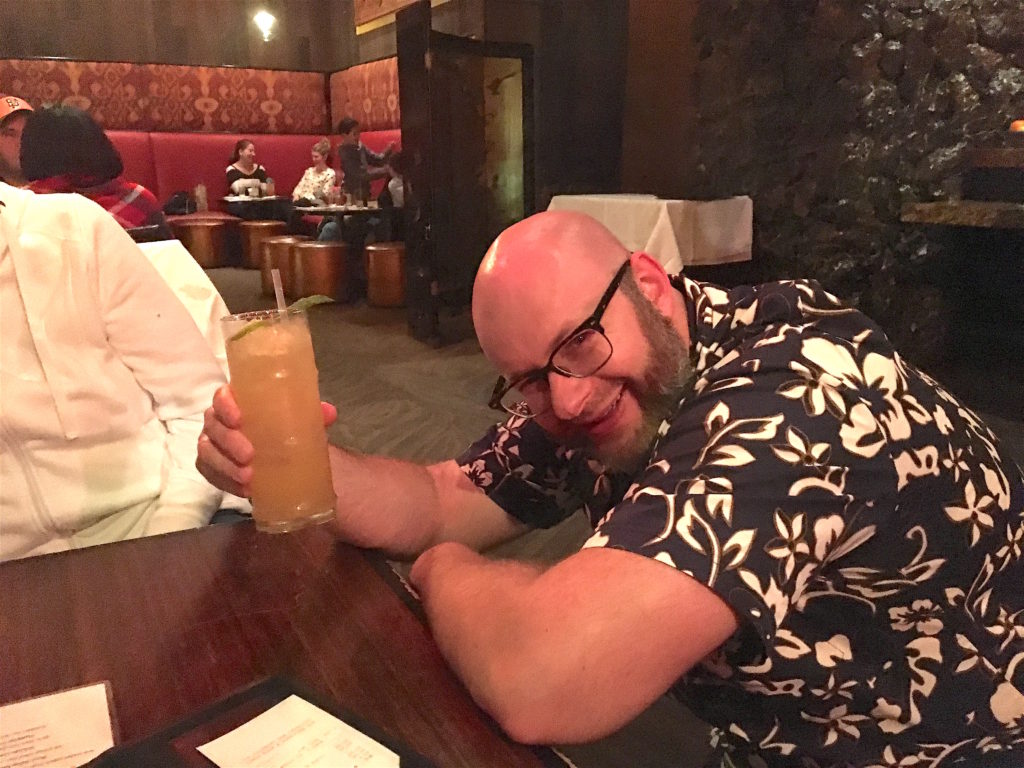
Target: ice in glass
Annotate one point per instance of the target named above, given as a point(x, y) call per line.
point(274, 380)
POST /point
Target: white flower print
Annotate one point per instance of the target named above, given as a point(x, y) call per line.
point(923, 616)
point(975, 510)
point(955, 461)
point(1006, 627)
point(877, 375)
point(840, 722)
point(800, 451)
point(478, 473)
point(834, 689)
point(789, 543)
point(1014, 546)
point(817, 391)
point(861, 433)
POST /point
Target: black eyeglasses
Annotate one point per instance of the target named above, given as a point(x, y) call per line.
point(580, 354)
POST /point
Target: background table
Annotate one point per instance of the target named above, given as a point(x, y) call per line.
point(675, 232)
point(176, 622)
point(266, 207)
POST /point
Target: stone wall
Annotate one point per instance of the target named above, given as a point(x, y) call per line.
point(833, 113)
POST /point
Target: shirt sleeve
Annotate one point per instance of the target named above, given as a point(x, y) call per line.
point(154, 336)
point(751, 488)
point(532, 478)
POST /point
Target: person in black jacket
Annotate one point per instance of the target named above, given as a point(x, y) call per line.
point(359, 164)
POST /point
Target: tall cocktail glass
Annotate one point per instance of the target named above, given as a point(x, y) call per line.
point(274, 380)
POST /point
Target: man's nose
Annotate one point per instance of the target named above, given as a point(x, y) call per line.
point(569, 395)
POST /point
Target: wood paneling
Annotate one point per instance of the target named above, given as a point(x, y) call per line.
point(368, 10)
point(659, 126)
point(309, 34)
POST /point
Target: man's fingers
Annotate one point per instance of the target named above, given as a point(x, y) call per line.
point(229, 441)
point(220, 471)
point(223, 454)
point(226, 408)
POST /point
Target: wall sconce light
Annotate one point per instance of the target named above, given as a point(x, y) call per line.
point(265, 22)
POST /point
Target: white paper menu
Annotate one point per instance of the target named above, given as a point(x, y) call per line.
point(58, 730)
point(297, 734)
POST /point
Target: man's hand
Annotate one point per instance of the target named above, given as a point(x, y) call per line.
point(224, 455)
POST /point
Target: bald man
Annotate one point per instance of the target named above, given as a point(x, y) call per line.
point(800, 534)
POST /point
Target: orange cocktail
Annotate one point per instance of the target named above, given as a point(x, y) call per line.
point(274, 380)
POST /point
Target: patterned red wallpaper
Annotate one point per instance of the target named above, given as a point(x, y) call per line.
point(163, 97)
point(369, 93)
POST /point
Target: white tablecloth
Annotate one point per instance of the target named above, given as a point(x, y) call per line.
point(675, 232)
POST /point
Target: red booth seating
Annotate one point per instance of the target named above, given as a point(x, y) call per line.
point(166, 163)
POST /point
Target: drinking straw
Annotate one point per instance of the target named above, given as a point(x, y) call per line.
point(278, 290)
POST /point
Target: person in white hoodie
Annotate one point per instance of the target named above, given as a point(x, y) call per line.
point(103, 380)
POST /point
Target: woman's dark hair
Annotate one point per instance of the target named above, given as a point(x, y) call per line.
point(59, 141)
point(396, 162)
point(239, 146)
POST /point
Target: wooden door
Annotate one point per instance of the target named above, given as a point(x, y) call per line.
point(467, 111)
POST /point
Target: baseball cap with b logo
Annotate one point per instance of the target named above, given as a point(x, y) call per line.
point(11, 104)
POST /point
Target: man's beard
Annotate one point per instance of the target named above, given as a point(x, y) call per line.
point(664, 379)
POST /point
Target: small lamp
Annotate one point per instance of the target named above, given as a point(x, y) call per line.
point(265, 22)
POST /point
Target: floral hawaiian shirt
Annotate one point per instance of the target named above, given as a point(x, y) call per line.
point(858, 518)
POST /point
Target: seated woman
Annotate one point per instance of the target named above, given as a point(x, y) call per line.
point(316, 183)
point(64, 150)
point(244, 172)
point(104, 377)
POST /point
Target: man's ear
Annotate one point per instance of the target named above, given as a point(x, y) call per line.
point(652, 280)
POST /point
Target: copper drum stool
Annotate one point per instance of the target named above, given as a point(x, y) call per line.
point(254, 233)
point(319, 267)
point(204, 239)
point(277, 254)
point(385, 274)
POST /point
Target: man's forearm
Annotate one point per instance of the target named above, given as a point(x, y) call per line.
point(404, 508)
point(472, 604)
point(384, 503)
point(573, 652)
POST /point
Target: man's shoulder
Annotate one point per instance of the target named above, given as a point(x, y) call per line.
point(53, 212)
point(768, 321)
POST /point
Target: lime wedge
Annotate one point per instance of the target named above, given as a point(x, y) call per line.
point(293, 309)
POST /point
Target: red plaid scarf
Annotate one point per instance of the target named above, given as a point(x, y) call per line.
point(131, 204)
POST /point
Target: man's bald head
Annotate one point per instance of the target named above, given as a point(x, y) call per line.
point(543, 262)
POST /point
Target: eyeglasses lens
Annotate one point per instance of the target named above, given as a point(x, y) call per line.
point(579, 357)
point(583, 354)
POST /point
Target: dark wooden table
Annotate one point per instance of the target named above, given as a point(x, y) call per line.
point(176, 622)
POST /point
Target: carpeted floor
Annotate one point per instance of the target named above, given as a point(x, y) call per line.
point(398, 397)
